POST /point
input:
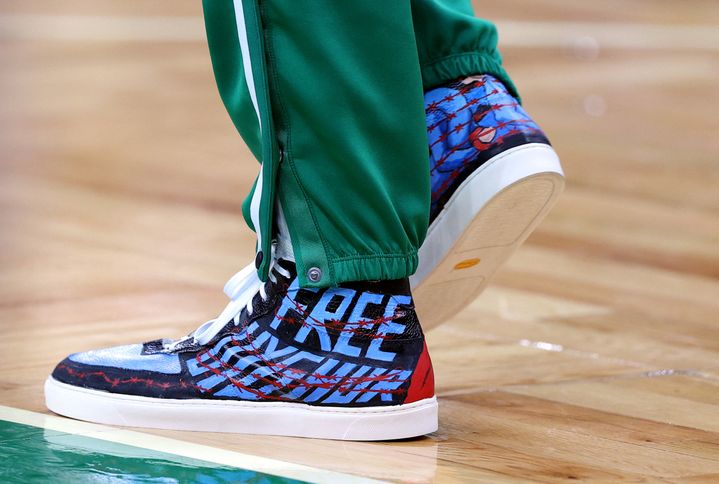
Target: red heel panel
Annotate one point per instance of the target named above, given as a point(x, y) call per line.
point(422, 384)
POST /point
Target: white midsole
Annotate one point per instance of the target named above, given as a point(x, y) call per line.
point(271, 418)
point(474, 193)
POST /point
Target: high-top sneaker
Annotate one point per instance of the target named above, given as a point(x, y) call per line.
point(347, 362)
point(494, 178)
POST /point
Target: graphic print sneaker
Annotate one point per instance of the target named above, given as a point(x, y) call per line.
point(348, 362)
point(494, 179)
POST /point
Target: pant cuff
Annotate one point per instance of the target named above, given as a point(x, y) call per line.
point(447, 69)
point(373, 267)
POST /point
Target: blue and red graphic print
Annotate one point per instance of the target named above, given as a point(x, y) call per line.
point(469, 122)
point(341, 346)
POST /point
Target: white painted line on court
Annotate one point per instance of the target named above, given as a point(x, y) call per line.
point(512, 33)
point(178, 447)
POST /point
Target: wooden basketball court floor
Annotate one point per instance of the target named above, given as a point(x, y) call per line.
point(593, 356)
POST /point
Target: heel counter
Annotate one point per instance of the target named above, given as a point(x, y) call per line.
point(422, 383)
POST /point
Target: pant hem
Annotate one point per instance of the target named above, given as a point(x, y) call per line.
point(373, 267)
point(444, 70)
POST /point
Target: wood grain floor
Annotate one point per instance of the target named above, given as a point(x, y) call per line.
point(595, 353)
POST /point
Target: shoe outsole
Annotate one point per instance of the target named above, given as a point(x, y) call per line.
point(483, 223)
point(265, 418)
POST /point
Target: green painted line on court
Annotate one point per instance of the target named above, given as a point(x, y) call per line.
point(35, 447)
point(33, 454)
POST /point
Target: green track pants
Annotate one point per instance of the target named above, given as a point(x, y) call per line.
point(328, 95)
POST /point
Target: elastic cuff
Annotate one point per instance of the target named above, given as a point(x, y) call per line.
point(373, 267)
point(447, 69)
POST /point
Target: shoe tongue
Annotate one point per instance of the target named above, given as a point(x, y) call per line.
point(283, 242)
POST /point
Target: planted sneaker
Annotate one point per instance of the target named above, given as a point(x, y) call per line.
point(494, 178)
point(348, 362)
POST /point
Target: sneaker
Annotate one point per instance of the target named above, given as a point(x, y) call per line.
point(348, 362)
point(494, 178)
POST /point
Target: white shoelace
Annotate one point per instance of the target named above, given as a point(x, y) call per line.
point(241, 289)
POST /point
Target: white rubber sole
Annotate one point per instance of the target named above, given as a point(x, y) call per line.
point(266, 418)
point(489, 216)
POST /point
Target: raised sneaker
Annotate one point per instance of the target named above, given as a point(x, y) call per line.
point(346, 362)
point(494, 178)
